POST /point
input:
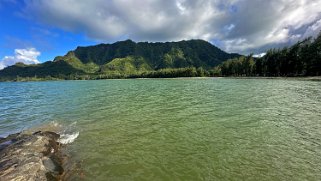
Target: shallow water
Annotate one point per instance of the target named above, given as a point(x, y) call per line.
point(177, 129)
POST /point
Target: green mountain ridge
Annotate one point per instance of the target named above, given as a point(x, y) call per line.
point(125, 59)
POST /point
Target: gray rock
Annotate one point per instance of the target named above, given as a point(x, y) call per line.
point(31, 157)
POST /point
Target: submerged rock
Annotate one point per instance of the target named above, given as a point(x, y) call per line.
point(34, 156)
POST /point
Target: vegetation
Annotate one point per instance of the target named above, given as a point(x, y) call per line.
point(125, 59)
point(128, 59)
point(180, 54)
point(301, 59)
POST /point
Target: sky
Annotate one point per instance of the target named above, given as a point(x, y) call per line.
point(34, 31)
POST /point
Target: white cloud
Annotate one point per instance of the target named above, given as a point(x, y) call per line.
point(26, 56)
point(240, 25)
point(259, 55)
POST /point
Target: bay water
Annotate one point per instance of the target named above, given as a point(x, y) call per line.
point(176, 129)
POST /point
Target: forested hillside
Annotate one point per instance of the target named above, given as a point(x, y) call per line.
point(126, 59)
point(301, 59)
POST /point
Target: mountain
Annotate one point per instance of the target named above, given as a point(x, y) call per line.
point(125, 59)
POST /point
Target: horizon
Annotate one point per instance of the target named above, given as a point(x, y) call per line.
point(38, 31)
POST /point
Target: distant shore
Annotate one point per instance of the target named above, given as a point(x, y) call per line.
point(311, 78)
point(31, 79)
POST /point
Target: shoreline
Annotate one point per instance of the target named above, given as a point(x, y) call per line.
point(307, 78)
point(310, 78)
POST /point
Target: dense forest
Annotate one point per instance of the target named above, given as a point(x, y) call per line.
point(126, 59)
point(193, 58)
point(301, 59)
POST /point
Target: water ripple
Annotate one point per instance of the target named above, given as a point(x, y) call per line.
point(179, 129)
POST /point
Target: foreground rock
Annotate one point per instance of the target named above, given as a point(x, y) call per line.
point(34, 156)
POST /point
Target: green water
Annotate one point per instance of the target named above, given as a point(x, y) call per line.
point(178, 129)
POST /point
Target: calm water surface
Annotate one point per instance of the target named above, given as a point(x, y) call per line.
point(177, 129)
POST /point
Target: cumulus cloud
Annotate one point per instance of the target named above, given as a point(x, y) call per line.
point(26, 56)
point(259, 55)
point(242, 26)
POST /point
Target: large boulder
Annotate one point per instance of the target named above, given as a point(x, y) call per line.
point(33, 156)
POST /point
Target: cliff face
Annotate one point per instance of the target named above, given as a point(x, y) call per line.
point(196, 53)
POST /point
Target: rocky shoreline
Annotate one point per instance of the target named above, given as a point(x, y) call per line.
point(31, 156)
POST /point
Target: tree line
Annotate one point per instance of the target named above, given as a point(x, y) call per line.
point(301, 59)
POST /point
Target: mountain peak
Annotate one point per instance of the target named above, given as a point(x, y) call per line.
point(129, 57)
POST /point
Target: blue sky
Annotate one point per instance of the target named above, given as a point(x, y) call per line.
point(35, 31)
point(18, 32)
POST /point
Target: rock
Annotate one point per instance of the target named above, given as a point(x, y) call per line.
point(31, 157)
